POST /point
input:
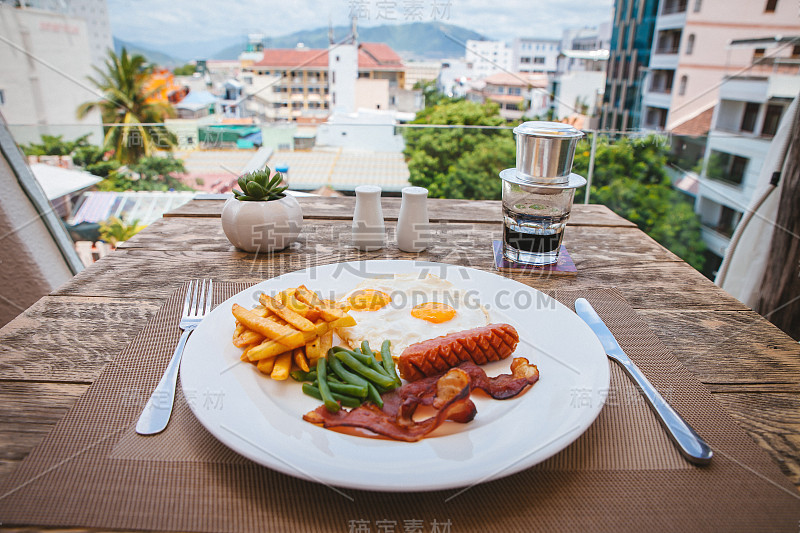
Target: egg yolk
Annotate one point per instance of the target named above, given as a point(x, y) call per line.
point(433, 312)
point(368, 300)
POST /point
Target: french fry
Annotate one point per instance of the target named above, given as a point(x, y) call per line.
point(239, 329)
point(266, 366)
point(328, 313)
point(283, 363)
point(300, 359)
point(266, 350)
point(293, 318)
point(248, 337)
point(325, 343)
point(343, 322)
point(300, 308)
point(312, 350)
point(268, 328)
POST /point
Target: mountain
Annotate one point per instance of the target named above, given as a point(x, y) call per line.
point(418, 40)
point(152, 56)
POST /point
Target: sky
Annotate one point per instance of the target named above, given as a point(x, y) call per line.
point(162, 22)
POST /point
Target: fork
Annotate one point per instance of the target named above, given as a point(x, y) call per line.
point(156, 413)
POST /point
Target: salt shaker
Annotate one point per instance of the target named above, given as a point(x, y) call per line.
point(412, 223)
point(368, 229)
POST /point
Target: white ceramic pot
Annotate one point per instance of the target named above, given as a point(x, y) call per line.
point(262, 226)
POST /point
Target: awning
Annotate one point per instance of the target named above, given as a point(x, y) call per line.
point(57, 182)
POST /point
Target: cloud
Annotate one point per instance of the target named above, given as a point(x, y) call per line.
point(158, 22)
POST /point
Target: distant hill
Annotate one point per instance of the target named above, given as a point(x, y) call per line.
point(152, 56)
point(418, 40)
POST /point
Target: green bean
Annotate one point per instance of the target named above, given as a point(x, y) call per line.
point(343, 373)
point(374, 396)
point(348, 389)
point(379, 378)
point(365, 358)
point(299, 375)
point(330, 404)
point(356, 391)
point(355, 353)
point(347, 401)
point(388, 362)
point(373, 361)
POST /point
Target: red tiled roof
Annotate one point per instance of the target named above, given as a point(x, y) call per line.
point(381, 53)
point(696, 126)
point(370, 56)
point(293, 58)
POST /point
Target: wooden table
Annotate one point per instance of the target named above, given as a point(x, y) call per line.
point(51, 353)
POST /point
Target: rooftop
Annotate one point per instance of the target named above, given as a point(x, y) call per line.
point(517, 80)
point(370, 56)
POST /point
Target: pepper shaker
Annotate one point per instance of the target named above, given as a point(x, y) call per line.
point(412, 223)
point(368, 229)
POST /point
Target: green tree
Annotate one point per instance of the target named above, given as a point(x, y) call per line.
point(459, 162)
point(149, 174)
point(127, 103)
point(630, 178)
point(186, 70)
point(115, 231)
point(433, 96)
point(55, 145)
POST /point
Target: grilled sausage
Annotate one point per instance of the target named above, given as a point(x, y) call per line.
point(478, 345)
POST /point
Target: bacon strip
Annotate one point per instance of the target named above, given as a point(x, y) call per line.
point(456, 403)
point(449, 393)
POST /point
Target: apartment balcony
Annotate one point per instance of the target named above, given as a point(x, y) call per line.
point(670, 7)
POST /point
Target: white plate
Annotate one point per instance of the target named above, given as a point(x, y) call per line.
point(262, 419)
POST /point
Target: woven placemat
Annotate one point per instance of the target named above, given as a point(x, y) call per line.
point(622, 474)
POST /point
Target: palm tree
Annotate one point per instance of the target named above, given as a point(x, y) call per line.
point(127, 102)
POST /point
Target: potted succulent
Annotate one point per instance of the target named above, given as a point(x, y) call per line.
point(261, 217)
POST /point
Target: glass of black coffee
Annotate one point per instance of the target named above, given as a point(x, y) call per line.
point(538, 193)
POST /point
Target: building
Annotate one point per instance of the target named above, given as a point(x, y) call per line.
point(587, 38)
point(631, 43)
point(304, 83)
point(421, 71)
point(42, 96)
point(535, 55)
point(93, 12)
point(751, 105)
point(485, 58)
point(453, 79)
point(516, 94)
point(690, 54)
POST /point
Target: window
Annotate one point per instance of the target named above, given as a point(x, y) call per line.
point(771, 5)
point(525, 60)
point(772, 118)
point(758, 53)
point(682, 86)
point(796, 51)
point(749, 117)
point(538, 60)
point(697, 4)
point(726, 167)
point(690, 44)
point(2, 97)
point(728, 219)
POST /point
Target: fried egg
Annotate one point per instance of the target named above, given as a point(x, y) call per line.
point(407, 309)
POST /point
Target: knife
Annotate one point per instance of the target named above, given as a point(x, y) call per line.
point(690, 444)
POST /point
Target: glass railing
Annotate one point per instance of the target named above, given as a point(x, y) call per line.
point(626, 170)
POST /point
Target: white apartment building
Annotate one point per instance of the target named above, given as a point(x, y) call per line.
point(750, 108)
point(485, 58)
point(691, 54)
point(535, 55)
point(93, 12)
point(43, 69)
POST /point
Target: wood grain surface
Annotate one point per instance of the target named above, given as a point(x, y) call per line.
point(52, 352)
